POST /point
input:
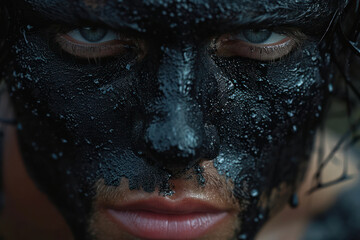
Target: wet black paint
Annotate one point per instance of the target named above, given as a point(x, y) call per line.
point(294, 200)
point(149, 120)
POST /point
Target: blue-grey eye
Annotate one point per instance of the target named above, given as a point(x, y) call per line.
point(94, 43)
point(93, 34)
point(256, 35)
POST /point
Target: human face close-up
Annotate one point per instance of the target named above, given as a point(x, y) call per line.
point(168, 119)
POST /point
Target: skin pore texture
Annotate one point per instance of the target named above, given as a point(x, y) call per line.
point(169, 116)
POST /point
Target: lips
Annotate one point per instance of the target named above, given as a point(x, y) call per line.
point(161, 218)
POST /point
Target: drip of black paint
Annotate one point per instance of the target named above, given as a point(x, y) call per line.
point(294, 201)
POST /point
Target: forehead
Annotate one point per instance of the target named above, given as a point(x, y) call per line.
point(175, 13)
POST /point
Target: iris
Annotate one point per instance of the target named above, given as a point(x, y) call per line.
point(93, 34)
point(256, 36)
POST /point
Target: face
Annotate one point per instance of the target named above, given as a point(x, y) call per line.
point(194, 117)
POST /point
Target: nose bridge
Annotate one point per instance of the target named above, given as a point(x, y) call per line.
point(174, 134)
point(176, 73)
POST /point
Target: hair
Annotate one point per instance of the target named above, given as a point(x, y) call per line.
point(341, 55)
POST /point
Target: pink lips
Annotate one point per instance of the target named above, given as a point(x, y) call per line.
point(165, 219)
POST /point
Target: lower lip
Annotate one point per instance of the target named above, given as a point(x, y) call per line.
point(153, 225)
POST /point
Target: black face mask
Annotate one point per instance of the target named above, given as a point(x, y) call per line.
point(148, 116)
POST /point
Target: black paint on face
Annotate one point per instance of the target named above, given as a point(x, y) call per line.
point(150, 119)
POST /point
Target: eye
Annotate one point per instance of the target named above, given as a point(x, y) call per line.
point(258, 44)
point(92, 35)
point(94, 42)
point(262, 36)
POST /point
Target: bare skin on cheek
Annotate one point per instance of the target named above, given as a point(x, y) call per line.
point(26, 207)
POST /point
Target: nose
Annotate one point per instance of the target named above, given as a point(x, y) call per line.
point(176, 135)
point(175, 139)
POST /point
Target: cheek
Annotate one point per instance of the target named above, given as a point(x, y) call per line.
point(75, 127)
point(270, 104)
point(81, 99)
point(268, 125)
point(78, 119)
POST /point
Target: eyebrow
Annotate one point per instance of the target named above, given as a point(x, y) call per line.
point(214, 17)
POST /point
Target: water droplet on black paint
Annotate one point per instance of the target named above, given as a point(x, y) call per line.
point(300, 82)
point(330, 87)
point(221, 159)
point(294, 128)
point(242, 236)
point(254, 193)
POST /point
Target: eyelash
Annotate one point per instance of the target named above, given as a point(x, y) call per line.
point(226, 46)
point(297, 37)
point(90, 50)
point(267, 50)
point(282, 51)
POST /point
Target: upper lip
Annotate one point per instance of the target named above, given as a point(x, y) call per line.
point(163, 205)
point(214, 197)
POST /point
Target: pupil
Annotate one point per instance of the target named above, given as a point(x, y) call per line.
point(93, 34)
point(257, 36)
